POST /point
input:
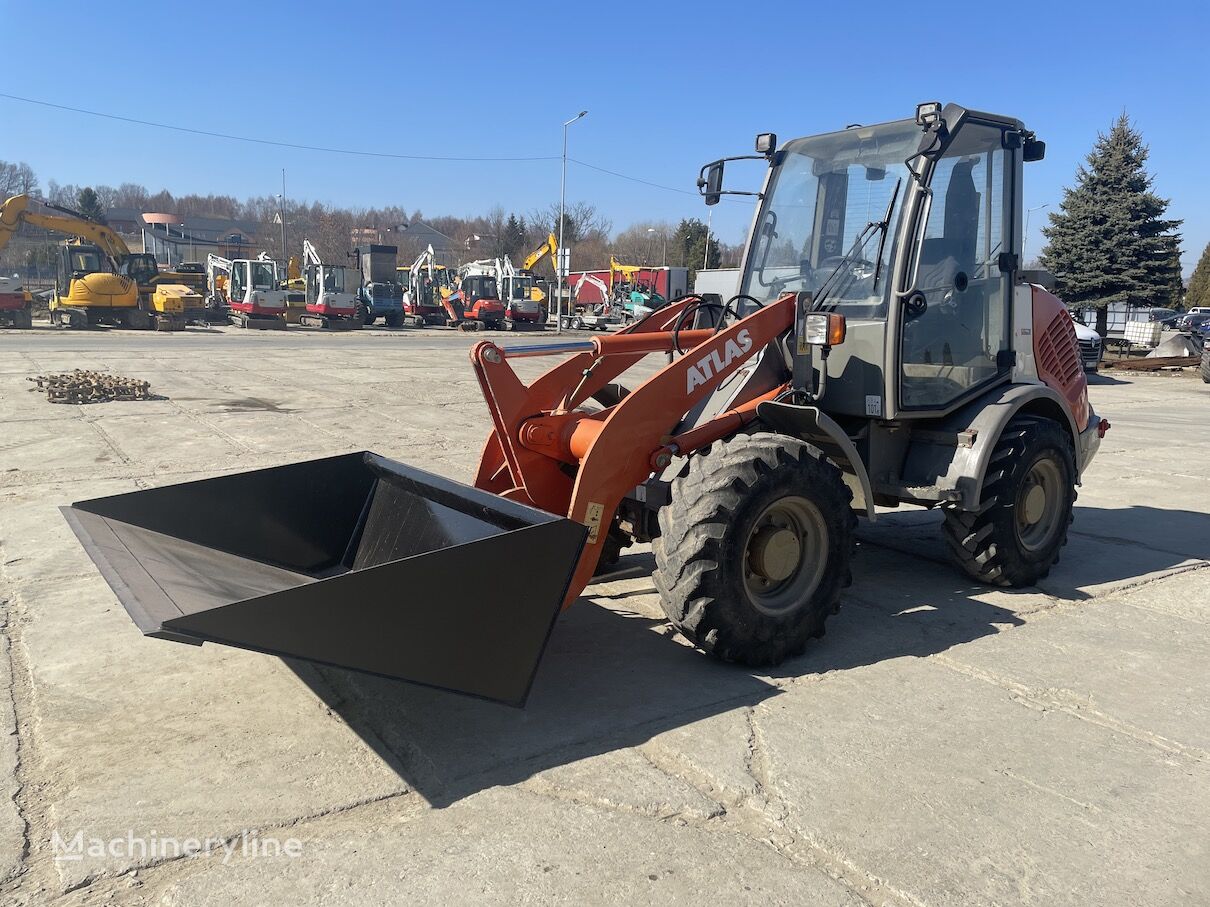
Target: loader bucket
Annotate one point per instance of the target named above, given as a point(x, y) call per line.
point(355, 561)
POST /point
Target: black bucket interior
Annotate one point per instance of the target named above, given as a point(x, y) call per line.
point(355, 561)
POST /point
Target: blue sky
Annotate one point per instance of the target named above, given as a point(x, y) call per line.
point(667, 86)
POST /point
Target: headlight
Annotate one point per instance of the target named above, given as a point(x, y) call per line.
point(823, 329)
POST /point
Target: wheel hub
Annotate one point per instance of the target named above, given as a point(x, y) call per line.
point(1038, 505)
point(775, 553)
point(785, 555)
point(1034, 505)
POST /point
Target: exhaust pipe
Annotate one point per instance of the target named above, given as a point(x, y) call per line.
point(355, 561)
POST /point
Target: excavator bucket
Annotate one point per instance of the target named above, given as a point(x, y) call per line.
point(354, 561)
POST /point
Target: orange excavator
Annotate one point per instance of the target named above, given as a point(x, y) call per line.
point(904, 360)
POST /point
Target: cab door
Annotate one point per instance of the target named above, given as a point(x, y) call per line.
point(955, 335)
point(239, 282)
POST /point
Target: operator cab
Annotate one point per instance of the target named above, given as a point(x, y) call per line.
point(479, 286)
point(907, 229)
point(141, 267)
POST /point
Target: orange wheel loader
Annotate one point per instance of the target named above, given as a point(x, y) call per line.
point(885, 348)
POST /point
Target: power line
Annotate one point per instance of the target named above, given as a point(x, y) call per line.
point(276, 144)
point(347, 151)
point(633, 179)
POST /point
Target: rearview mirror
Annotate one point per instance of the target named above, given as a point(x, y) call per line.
point(711, 185)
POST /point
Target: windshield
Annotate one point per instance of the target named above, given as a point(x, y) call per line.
point(483, 287)
point(86, 261)
point(334, 279)
point(264, 275)
point(820, 224)
point(521, 287)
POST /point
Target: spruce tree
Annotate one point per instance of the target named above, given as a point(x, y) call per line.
point(1198, 292)
point(90, 205)
point(1109, 242)
point(688, 246)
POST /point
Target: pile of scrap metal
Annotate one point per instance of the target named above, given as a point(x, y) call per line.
point(82, 386)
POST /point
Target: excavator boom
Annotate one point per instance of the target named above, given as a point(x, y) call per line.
point(17, 210)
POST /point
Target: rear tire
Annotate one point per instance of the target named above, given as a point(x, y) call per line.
point(394, 319)
point(755, 548)
point(1014, 538)
point(1205, 366)
point(362, 311)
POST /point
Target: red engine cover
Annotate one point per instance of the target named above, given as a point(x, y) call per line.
point(1057, 354)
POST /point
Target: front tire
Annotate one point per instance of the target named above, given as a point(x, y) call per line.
point(1015, 536)
point(755, 548)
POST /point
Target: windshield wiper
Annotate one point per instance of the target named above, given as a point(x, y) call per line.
point(830, 282)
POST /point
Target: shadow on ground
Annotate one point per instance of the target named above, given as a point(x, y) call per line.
point(1106, 546)
point(613, 678)
point(1103, 379)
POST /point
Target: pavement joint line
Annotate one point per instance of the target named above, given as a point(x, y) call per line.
point(754, 826)
point(1131, 543)
point(206, 423)
point(299, 822)
point(35, 868)
point(139, 477)
point(1047, 789)
point(764, 816)
point(161, 872)
point(1055, 700)
point(1167, 612)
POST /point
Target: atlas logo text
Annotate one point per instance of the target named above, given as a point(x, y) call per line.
point(701, 371)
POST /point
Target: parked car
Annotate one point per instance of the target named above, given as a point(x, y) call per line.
point(1091, 349)
point(1193, 321)
point(1166, 317)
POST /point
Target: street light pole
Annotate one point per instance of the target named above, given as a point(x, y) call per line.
point(1025, 234)
point(709, 224)
point(559, 253)
point(281, 211)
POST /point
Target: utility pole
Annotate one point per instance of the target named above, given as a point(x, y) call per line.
point(706, 253)
point(559, 255)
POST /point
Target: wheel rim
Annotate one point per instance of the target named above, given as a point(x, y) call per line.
point(1039, 504)
point(785, 555)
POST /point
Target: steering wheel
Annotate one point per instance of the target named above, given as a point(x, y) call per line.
point(698, 303)
point(861, 268)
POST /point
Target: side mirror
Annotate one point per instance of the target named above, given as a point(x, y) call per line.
point(711, 185)
point(1034, 150)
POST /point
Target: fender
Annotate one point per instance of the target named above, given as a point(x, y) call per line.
point(821, 430)
point(957, 470)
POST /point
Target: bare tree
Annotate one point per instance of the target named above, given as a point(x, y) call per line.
point(17, 179)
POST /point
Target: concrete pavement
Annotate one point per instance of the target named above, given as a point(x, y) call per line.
point(944, 743)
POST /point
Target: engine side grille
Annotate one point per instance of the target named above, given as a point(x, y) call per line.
point(1057, 350)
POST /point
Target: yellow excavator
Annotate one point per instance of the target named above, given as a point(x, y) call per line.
point(549, 247)
point(98, 279)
